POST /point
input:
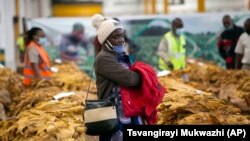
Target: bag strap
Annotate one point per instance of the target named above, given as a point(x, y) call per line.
point(116, 85)
point(116, 93)
point(91, 75)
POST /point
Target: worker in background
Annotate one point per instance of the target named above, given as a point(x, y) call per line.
point(71, 43)
point(36, 60)
point(242, 49)
point(171, 49)
point(21, 47)
point(228, 40)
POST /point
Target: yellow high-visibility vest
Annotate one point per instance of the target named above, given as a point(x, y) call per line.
point(20, 43)
point(176, 52)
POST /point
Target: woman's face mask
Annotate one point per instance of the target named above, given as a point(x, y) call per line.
point(118, 49)
point(42, 41)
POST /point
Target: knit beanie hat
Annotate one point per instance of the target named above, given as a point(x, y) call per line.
point(104, 26)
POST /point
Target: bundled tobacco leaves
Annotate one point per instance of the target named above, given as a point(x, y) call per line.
point(48, 120)
point(43, 91)
point(70, 77)
point(9, 88)
point(5, 73)
point(184, 104)
point(34, 114)
point(230, 85)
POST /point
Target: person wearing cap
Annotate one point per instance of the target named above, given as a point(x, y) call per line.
point(131, 48)
point(112, 68)
point(70, 44)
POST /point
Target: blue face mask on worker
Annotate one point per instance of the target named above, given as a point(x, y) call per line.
point(179, 31)
point(42, 41)
point(118, 49)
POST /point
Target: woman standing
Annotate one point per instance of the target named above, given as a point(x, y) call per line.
point(112, 69)
point(36, 60)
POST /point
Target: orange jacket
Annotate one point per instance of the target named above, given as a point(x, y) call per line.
point(44, 66)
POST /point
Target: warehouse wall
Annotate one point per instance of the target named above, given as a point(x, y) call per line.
point(7, 9)
point(123, 7)
point(136, 7)
point(33, 9)
point(190, 6)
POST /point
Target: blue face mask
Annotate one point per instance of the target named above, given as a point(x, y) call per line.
point(118, 49)
point(42, 41)
point(179, 31)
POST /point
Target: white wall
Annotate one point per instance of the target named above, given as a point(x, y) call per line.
point(225, 5)
point(46, 10)
point(42, 8)
point(123, 7)
point(7, 12)
point(33, 9)
point(190, 6)
point(1, 24)
point(136, 7)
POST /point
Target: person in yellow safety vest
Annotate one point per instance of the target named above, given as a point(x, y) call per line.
point(21, 47)
point(171, 50)
point(36, 60)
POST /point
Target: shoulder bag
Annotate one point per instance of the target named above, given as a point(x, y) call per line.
point(100, 116)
